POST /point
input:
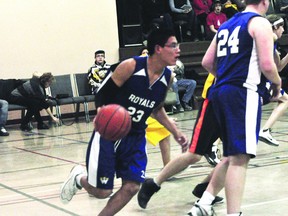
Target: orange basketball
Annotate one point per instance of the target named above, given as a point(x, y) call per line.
point(113, 122)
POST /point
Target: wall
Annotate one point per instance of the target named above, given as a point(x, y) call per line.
point(59, 36)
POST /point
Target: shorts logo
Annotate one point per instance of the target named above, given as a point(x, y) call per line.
point(104, 180)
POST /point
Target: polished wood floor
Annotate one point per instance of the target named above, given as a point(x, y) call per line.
point(34, 164)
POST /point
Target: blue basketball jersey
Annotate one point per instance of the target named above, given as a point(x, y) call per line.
point(234, 43)
point(139, 97)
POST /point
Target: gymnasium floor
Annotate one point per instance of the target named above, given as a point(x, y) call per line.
point(33, 165)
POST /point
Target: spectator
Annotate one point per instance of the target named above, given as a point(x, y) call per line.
point(202, 9)
point(214, 20)
point(281, 6)
point(32, 94)
point(182, 10)
point(229, 9)
point(98, 71)
point(188, 84)
point(3, 117)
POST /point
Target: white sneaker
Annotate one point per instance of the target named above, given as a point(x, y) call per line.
point(69, 187)
point(212, 157)
point(266, 137)
point(201, 210)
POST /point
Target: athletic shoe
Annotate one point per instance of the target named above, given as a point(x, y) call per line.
point(187, 107)
point(70, 187)
point(3, 132)
point(201, 210)
point(212, 157)
point(199, 190)
point(178, 108)
point(267, 138)
point(26, 127)
point(147, 190)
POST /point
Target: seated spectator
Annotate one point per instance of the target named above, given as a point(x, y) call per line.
point(98, 71)
point(283, 5)
point(202, 9)
point(32, 94)
point(229, 9)
point(188, 84)
point(182, 10)
point(144, 51)
point(3, 117)
point(214, 20)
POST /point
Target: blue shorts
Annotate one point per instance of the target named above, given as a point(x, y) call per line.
point(127, 158)
point(238, 112)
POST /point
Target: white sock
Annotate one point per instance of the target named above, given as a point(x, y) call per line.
point(154, 179)
point(206, 198)
point(78, 179)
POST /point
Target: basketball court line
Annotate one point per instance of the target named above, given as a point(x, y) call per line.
point(256, 204)
point(38, 200)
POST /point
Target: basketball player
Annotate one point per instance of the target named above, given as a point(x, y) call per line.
point(240, 51)
point(278, 28)
point(205, 133)
point(140, 85)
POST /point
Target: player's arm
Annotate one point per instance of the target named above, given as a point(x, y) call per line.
point(283, 62)
point(260, 29)
point(209, 59)
point(113, 82)
point(161, 116)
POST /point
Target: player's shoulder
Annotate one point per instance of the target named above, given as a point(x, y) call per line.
point(260, 24)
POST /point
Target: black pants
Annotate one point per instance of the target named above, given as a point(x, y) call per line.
point(34, 106)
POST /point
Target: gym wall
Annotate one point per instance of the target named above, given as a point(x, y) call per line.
point(59, 36)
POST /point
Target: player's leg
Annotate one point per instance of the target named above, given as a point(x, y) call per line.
point(215, 185)
point(131, 164)
point(120, 198)
point(239, 144)
point(204, 131)
point(278, 111)
point(235, 182)
point(164, 145)
point(99, 180)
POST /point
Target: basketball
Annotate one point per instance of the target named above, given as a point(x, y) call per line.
point(113, 122)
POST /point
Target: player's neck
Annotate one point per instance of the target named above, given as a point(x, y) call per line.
point(255, 8)
point(155, 65)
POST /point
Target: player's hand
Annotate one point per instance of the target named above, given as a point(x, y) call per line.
point(182, 140)
point(274, 91)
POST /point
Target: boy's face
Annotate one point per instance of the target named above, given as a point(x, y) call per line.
point(218, 8)
point(100, 58)
point(171, 51)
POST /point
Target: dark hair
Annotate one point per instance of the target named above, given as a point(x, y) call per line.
point(99, 52)
point(215, 3)
point(160, 33)
point(46, 77)
point(252, 2)
point(272, 18)
point(141, 50)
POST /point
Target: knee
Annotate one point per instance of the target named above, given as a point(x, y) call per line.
point(193, 158)
point(131, 188)
point(99, 193)
point(193, 83)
